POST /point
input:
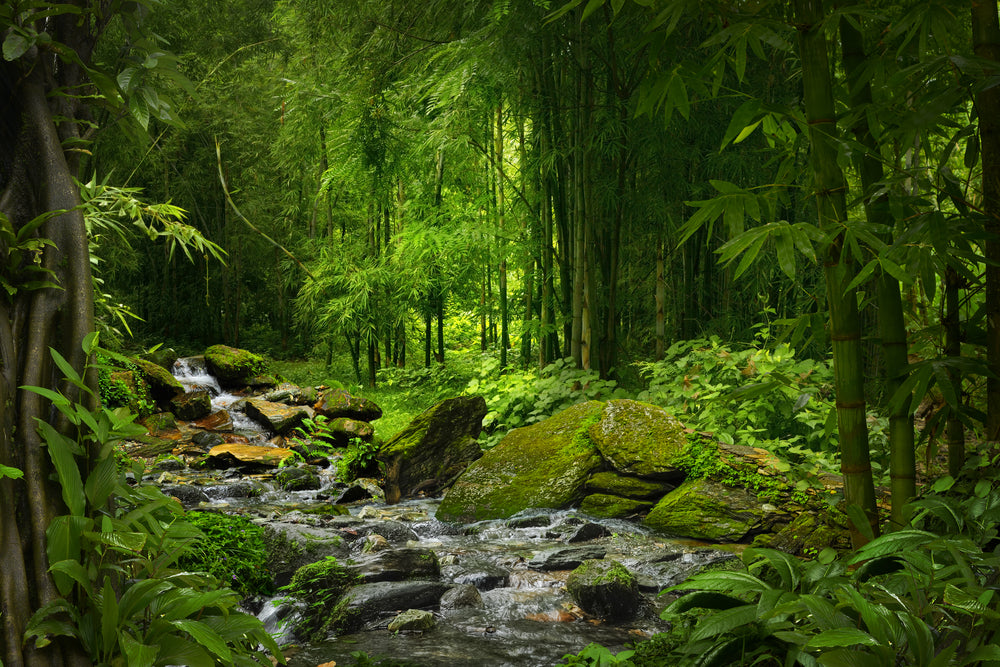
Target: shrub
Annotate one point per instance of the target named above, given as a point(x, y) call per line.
point(231, 549)
point(319, 586)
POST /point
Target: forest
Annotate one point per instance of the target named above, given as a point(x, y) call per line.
point(780, 220)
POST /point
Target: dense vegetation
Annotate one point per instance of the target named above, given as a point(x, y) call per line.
point(779, 218)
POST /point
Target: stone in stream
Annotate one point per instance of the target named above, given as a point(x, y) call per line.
point(220, 420)
point(344, 429)
point(462, 596)
point(234, 367)
point(291, 394)
point(605, 588)
point(485, 576)
point(565, 558)
point(706, 510)
point(229, 454)
point(190, 496)
point(587, 532)
point(297, 479)
point(367, 602)
point(192, 405)
point(397, 565)
point(434, 449)
point(334, 403)
point(412, 620)
point(277, 417)
point(362, 488)
point(607, 506)
point(290, 546)
point(628, 486)
point(162, 385)
point(544, 465)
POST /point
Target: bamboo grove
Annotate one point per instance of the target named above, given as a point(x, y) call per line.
point(590, 180)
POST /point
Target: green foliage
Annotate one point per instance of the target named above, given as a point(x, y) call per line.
point(231, 549)
point(114, 558)
point(702, 460)
point(116, 392)
point(596, 655)
point(518, 399)
point(359, 460)
point(319, 586)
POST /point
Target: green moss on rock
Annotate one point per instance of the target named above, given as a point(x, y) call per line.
point(704, 510)
point(613, 507)
point(544, 465)
point(640, 439)
point(626, 486)
point(234, 367)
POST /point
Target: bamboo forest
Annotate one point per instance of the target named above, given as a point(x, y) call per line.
point(499, 332)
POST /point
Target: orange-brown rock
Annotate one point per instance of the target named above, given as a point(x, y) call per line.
point(230, 454)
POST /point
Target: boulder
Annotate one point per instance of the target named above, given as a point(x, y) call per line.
point(162, 425)
point(412, 620)
point(163, 386)
point(607, 506)
point(189, 496)
point(434, 449)
point(367, 602)
point(192, 405)
point(363, 488)
point(397, 565)
point(334, 403)
point(462, 596)
point(605, 588)
point(297, 479)
point(277, 417)
point(291, 394)
point(220, 420)
point(230, 454)
point(544, 465)
point(705, 510)
point(587, 532)
point(343, 429)
point(289, 546)
point(627, 486)
point(234, 367)
point(640, 439)
point(482, 574)
point(163, 356)
point(565, 558)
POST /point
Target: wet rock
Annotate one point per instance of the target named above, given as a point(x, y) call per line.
point(297, 479)
point(291, 394)
point(396, 532)
point(165, 357)
point(163, 386)
point(566, 558)
point(397, 565)
point(809, 533)
point(240, 489)
point(205, 440)
point(640, 439)
point(192, 405)
point(537, 521)
point(190, 496)
point(544, 465)
point(374, 543)
point(367, 602)
point(167, 465)
point(234, 367)
point(605, 588)
point(608, 506)
point(335, 403)
point(162, 425)
point(230, 454)
point(361, 489)
point(462, 596)
point(628, 486)
point(289, 546)
point(344, 429)
point(220, 420)
point(705, 510)
point(586, 532)
point(483, 575)
point(412, 620)
point(436, 447)
point(277, 417)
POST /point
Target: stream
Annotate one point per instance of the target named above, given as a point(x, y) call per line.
point(526, 618)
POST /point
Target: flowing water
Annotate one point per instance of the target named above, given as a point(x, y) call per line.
point(527, 618)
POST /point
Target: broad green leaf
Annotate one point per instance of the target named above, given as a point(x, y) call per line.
point(119, 540)
point(592, 6)
point(109, 616)
point(12, 473)
point(74, 571)
point(724, 621)
point(842, 637)
point(61, 450)
point(67, 369)
point(786, 255)
point(205, 636)
point(746, 131)
point(137, 653)
point(895, 543)
point(703, 600)
point(102, 480)
point(15, 46)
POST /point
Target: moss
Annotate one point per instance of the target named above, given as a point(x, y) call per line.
point(233, 366)
point(702, 510)
point(544, 465)
point(320, 586)
point(613, 507)
point(640, 439)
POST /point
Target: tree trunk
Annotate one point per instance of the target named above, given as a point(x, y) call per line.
point(954, 430)
point(501, 243)
point(845, 323)
point(661, 297)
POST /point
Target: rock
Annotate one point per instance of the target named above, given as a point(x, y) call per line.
point(436, 447)
point(362, 488)
point(367, 602)
point(396, 532)
point(640, 439)
point(163, 386)
point(462, 596)
point(162, 425)
point(167, 465)
point(165, 357)
point(192, 405)
point(205, 440)
point(240, 489)
point(588, 531)
point(605, 588)
point(234, 367)
point(220, 420)
point(230, 454)
point(343, 429)
point(565, 558)
point(277, 417)
point(484, 575)
point(626, 486)
point(704, 510)
point(535, 521)
point(190, 496)
point(544, 465)
point(289, 546)
point(412, 620)
point(607, 506)
point(397, 565)
point(291, 394)
point(297, 479)
point(374, 543)
point(334, 403)
point(808, 534)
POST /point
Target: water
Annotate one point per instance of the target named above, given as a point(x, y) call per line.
point(527, 618)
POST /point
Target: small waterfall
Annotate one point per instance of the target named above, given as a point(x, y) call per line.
point(193, 374)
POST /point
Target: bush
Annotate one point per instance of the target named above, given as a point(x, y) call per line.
point(319, 586)
point(231, 549)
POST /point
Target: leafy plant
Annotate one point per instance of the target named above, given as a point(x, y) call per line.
point(113, 558)
point(360, 459)
point(319, 586)
point(231, 549)
point(118, 390)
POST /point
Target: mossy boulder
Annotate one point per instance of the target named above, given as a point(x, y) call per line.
point(277, 417)
point(608, 506)
point(412, 620)
point(344, 429)
point(605, 588)
point(809, 533)
point(434, 449)
point(544, 465)
point(335, 403)
point(640, 439)
point(627, 486)
point(163, 386)
point(163, 356)
point(192, 405)
point(705, 510)
point(297, 479)
point(234, 367)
